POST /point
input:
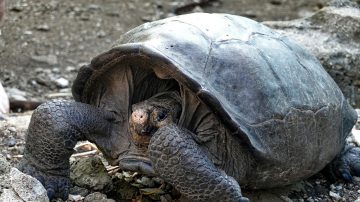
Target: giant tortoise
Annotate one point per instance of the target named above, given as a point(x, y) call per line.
point(247, 107)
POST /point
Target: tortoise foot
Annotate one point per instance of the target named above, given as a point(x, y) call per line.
point(347, 165)
point(178, 159)
point(57, 186)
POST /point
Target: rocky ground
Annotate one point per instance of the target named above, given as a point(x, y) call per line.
point(44, 42)
point(93, 178)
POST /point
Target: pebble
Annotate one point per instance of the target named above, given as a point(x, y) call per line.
point(82, 174)
point(76, 190)
point(70, 69)
point(47, 59)
point(310, 199)
point(4, 165)
point(147, 182)
point(62, 82)
point(12, 129)
point(339, 187)
point(98, 197)
point(28, 32)
point(44, 28)
point(335, 195)
point(75, 198)
point(11, 142)
point(16, 94)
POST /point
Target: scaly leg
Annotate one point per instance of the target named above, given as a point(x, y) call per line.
point(178, 160)
point(54, 129)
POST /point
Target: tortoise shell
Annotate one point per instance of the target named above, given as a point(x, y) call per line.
point(270, 92)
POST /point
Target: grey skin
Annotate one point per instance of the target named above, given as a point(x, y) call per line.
point(257, 110)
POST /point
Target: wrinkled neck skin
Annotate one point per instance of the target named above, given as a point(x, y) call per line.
point(220, 145)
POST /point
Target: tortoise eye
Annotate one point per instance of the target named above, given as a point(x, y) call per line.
point(161, 115)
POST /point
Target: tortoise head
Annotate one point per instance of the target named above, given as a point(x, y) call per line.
point(150, 115)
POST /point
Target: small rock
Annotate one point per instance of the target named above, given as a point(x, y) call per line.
point(47, 59)
point(27, 187)
point(75, 198)
point(197, 9)
point(28, 32)
point(16, 94)
point(339, 187)
point(310, 199)
point(4, 165)
point(334, 195)
point(70, 69)
point(90, 173)
point(12, 129)
point(43, 28)
point(147, 182)
point(75, 190)
point(62, 82)
point(93, 7)
point(101, 34)
point(11, 142)
point(55, 70)
point(98, 197)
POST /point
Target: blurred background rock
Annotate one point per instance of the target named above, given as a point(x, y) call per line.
point(43, 43)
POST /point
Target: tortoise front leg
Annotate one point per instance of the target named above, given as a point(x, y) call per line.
point(54, 129)
point(178, 160)
point(346, 165)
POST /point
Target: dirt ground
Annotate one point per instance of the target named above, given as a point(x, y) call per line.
point(43, 43)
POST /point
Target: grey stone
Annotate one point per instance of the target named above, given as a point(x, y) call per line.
point(16, 94)
point(11, 141)
point(62, 82)
point(4, 165)
point(9, 195)
point(47, 59)
point(4, 174)
point(27, 187)
point(147, 182)
point(332, 34)
point(90, 173)
point(43, 27)
point(76, 190)
point(75, 198)
point(97, 197)
point(334, 195)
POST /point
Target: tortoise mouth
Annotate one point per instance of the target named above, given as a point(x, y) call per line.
point(136, 163)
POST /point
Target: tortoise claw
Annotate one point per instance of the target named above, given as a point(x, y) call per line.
point(347, 165)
